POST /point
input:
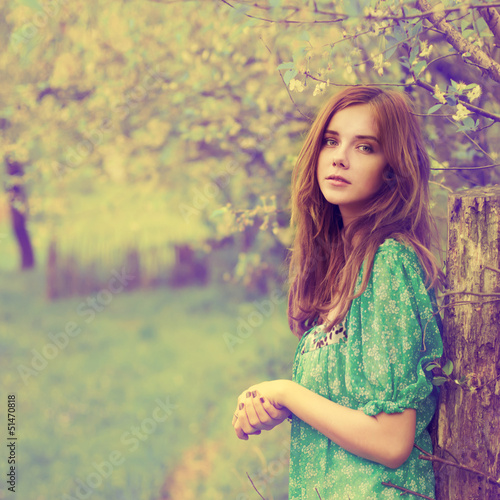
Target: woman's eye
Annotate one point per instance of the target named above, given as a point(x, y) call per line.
point(365, 148)
point(329, 142)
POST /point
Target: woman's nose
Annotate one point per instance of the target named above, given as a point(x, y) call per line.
point(339, 159)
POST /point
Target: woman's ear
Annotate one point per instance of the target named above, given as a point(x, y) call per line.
point(389, 177)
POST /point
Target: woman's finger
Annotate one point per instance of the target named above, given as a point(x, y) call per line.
point(266, 421)
point(239, 432)
point(247, 418)
point(253, 419)
point(273, 412)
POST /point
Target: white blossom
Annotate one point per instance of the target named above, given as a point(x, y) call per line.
point(425, 49)
point(320, 88)
point(439, 95)
point(379, 64)
point(296, 85)
point(462, 112)
point(475, 93)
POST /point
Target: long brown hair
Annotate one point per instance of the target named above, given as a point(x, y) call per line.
point(324, 263)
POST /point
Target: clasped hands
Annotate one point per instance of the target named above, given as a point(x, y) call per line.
point(259, 409)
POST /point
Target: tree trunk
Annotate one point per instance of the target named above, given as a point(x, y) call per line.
point(18, 210)
point(468, 428)
point(52, 288)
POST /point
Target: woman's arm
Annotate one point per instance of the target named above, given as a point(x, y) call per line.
point(384, 438)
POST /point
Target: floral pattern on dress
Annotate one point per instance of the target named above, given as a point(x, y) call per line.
point(377, 366)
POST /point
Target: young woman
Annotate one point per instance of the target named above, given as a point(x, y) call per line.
point(362, 304)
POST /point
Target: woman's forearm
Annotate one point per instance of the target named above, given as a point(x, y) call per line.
point(384, 438)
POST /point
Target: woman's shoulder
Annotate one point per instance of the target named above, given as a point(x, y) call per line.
point(395, 254)
point(394, 247)
point(394, 250)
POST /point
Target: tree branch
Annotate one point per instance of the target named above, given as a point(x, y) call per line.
point(339, 18)
point(433, 458)
point(455, 39)
point(478, 294)
point(426, 86)
point(467, 168)
point(492, 18)
point(409, 492)
point(430, 10)
point(471, 107)
point(308, 75)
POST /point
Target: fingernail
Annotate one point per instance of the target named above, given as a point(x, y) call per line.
point(248, 394)
point(241, 406)
point(254, 393)
point(262, 400)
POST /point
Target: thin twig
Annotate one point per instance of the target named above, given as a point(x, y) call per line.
point(487, 383)
point(442, 186)
point(472, 302)
point(286, 86)
point(485, 127)
point(370, 17)
point(478, 147)
point(457, 303)
point(317, 492)
point(434, 458)
point(442, 57)
point(307, 74)
point(290, 21)
point(479, 294)
point(432, 114)
point(492, 269)
point(422, 450)
point(468, 168)
point(409, 492)
point(401, 42)
point(356, 35)
point(254, 487)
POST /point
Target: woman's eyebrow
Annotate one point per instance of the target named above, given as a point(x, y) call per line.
point(373, 138)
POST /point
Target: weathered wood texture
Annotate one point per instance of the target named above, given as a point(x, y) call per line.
point(469, 420)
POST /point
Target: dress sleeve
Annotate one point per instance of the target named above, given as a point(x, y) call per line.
point(394, 330)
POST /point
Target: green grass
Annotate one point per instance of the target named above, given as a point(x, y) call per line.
point(142, 347)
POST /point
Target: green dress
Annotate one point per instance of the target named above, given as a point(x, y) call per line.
point(372, 362)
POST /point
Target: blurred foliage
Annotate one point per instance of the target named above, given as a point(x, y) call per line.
point(169, 121)
point(105, 382)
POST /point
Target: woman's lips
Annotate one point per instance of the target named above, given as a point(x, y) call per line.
point(337, 181)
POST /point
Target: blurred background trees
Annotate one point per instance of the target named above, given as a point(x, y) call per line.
point(177, 123)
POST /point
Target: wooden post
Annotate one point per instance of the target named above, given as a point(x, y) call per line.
point(468, 428)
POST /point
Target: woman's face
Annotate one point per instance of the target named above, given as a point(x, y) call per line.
point(351, 161)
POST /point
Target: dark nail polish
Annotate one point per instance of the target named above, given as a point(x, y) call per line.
point(254, 393)
point(248, 394)
point(241, 406)
point(262, 400)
